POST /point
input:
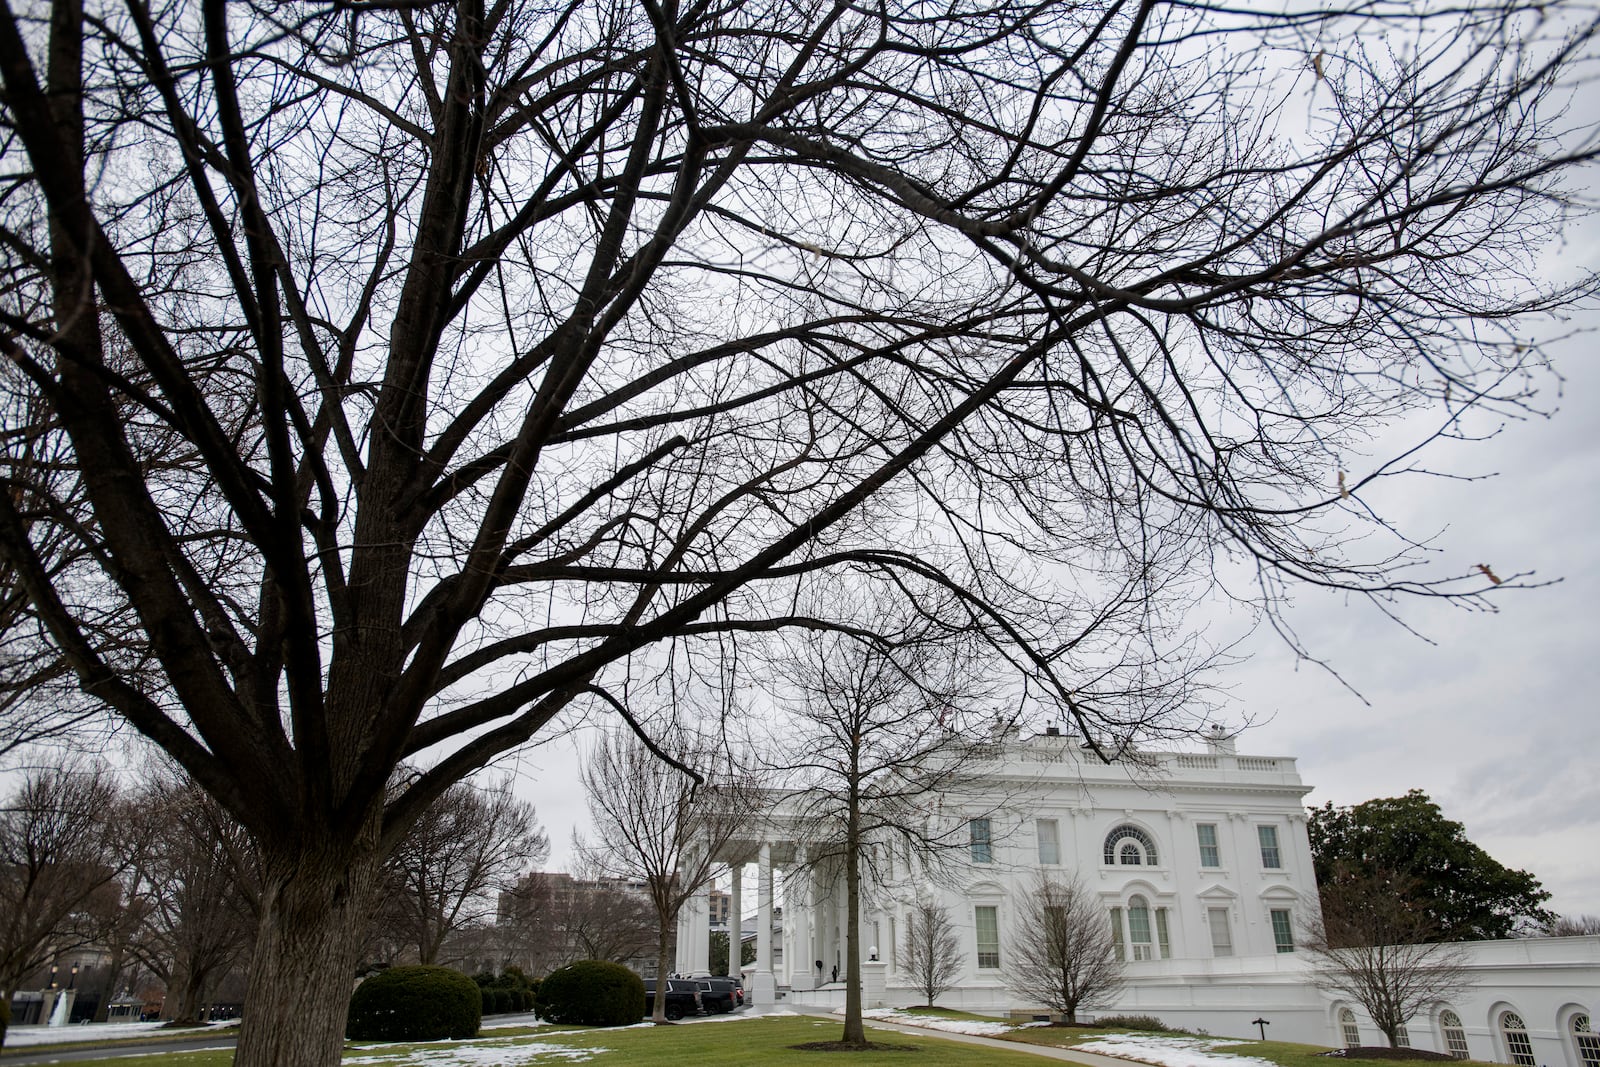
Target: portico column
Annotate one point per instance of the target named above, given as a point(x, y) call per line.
point(797, 924)
point(735, 916)
point(701, 954)
point(765, 986)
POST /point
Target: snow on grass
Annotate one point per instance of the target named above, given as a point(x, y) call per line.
point(1171, 1051)
point(495, 1052)
point(971, 1027)
point(26, 1036)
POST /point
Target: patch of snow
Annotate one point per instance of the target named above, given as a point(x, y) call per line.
point(1171, 1051)
point(495, 1052)
point(971, 1027)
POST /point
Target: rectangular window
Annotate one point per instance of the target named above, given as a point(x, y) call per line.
point(1270, 858)
point(1162, 937)
point(1402, 1037)
point(1139, 931)
point(1210, 854)
point(1116, 934)
point(1221, 934)
point(1049, 842)
point(982, 849)
point(1282, 930)
point(988, 923)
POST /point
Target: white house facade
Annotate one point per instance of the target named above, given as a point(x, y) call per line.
point(1202, 866)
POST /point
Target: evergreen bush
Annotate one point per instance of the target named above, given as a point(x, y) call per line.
point(591, 993)
point(1135, 1022)
point(415, 1004)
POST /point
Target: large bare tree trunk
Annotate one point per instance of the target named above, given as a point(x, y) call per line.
point(313, 911)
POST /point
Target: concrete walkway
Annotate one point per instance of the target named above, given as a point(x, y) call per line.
point(1091, 1059)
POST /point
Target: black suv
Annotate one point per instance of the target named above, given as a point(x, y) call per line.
point(720, 995)
point(683, 997)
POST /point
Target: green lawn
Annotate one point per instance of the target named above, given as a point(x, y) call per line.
point(734, 1043)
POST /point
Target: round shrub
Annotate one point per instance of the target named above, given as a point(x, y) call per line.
point(591, 993)
point(415, 1004)
point(500, 999)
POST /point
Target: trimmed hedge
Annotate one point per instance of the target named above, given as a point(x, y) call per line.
point(1134, 1022)
point(415, 1004)
point(591, 993)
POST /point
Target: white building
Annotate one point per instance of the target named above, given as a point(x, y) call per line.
point(1202, 864)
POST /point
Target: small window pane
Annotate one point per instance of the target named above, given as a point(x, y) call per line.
point(1049, 842)
point(988, 924)
point(1221, 933)
point(1517, 1043)
point(1282, 930)
point(1348, 1028)
point(1129, 857)
point(1455, 1038)
point(1269, 847)
point(1587, 1041)
point(1210, 854)
point(982, 847)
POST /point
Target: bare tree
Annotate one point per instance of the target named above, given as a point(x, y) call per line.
point(931, 952)
point(881, 722)
point(196, 894)
point(1572, 926)
point(59, 865)
point(414, 372)
point(1065, 955)
point(660, 821)
point(1376, 943)
point(446, 874)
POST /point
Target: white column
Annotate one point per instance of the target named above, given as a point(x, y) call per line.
point(694, 935)
point(797, 923)
point(765, 987)
point(702, 932)
point(735, 916)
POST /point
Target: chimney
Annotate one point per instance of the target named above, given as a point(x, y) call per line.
point(1219, 741)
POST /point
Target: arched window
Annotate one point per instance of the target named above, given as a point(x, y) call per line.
point(1130, 846)
point(1587, 1041)
point(1455, 1036)
point(1347, 1026)
point(1139, 928)
point(1518, 1047)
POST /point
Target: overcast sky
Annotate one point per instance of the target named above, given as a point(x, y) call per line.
point(1493, 714)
